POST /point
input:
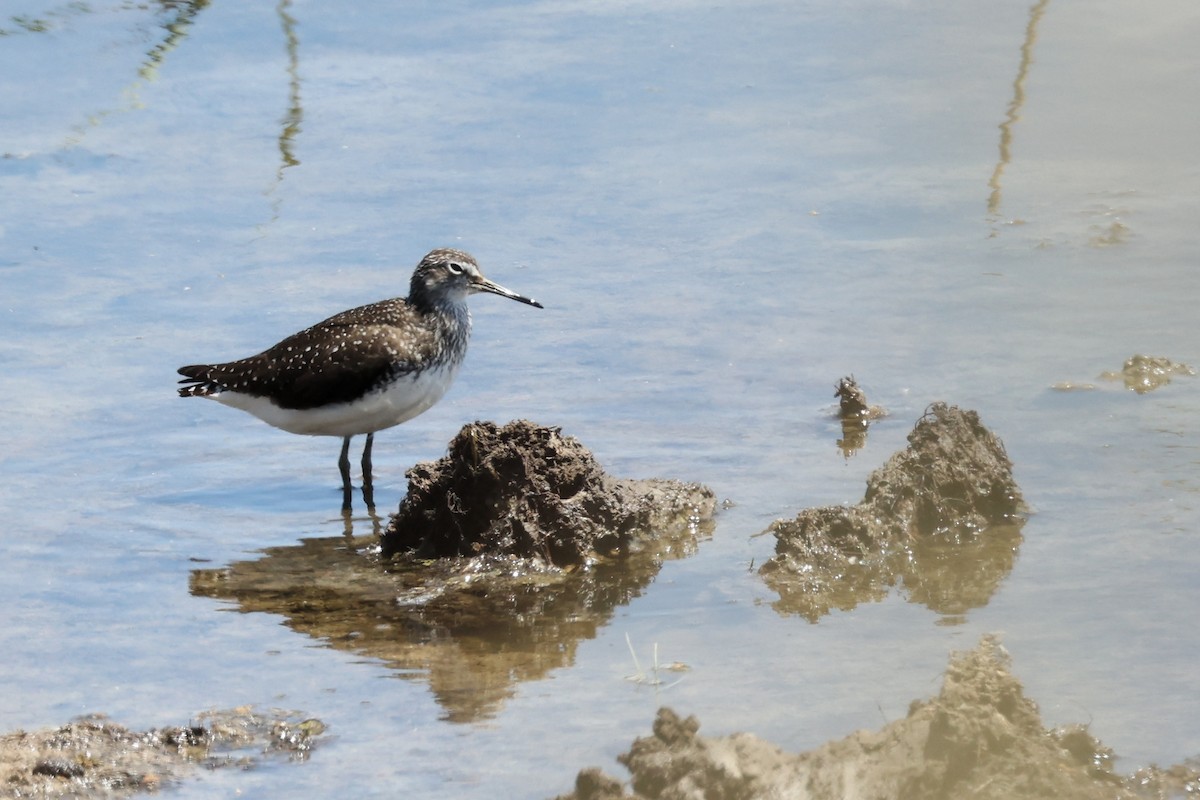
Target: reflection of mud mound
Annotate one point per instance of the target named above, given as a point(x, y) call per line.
point(940, 517)
point(979, 738)
point(526, 490)
point(554, 546)
point(93, 757)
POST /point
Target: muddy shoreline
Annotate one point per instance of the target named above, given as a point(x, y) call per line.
point(97, 757)
point(980, 737)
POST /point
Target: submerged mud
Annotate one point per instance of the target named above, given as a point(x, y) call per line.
point(507, 554)
point(1139, 373)
point(981, 737)
point(942, 518)
point(96, 757)
point(1144, 374)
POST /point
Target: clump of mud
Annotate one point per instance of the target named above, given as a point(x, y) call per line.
point(1141, 374)
point(941, 516)
point(95, 757)
point(981, 737)
point(852, 402)
point(856, 415)
point(527, 491)
point(1144, 374)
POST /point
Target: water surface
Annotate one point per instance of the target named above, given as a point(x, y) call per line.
point(724, 211)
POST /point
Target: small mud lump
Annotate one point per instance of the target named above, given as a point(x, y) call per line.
point(852, 402)
point(1144, 374)
point(855, 414)
point(526, 490)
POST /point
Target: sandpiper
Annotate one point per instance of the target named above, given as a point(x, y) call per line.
point(362, 370)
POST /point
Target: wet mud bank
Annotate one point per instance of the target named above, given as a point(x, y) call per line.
point(980, 737)
point(505, 555)
point(96, 757)
point(941, 518)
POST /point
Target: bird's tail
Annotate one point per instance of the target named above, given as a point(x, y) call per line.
point(198, 380)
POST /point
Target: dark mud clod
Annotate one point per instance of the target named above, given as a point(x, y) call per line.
point(852, 402)
point(527, 491)
point(58, 768)
point(856, 415)
point(941, 516)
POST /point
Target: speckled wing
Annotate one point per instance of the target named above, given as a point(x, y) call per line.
point(335, 361)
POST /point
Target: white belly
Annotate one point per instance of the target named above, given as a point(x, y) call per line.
point(399, 402)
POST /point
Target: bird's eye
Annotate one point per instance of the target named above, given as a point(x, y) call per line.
point(455, 269)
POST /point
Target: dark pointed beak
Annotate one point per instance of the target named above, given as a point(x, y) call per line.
point(482, 284)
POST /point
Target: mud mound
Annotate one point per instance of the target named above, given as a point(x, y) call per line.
point(526, 490)
point(925, 510)
point(95, 757)
point(979, 738)
point(955, 478)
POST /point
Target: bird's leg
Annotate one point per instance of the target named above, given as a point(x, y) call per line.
point(368, 482)
point(344, 466)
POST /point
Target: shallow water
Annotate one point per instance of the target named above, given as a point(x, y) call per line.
point(724, 211)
